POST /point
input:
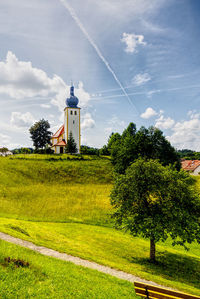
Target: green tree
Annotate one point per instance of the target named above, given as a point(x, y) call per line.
point(71, 145)
point(25, 150)
point(104, 151)
point(40, 134)
point(132, 144)
point(4, 150)
point(87, 150)
point(155, 202)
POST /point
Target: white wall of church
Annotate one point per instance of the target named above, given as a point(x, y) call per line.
point(72, 124)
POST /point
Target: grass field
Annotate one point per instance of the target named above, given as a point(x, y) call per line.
point(63, 203)
point(51, 188)
point(50, 278)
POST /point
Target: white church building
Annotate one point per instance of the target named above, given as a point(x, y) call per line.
point(71, 124)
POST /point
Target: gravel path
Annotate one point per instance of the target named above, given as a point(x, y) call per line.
point(73, 259)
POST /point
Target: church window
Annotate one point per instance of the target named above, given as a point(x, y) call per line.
point(75, 113)
point(71, 112)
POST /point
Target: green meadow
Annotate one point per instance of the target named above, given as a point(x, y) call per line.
point(62, 202)
point(58, 189)
point(51, 278)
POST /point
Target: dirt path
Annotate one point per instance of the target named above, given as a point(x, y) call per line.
point(73, 259)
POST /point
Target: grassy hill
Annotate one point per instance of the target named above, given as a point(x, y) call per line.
point(50, 278)
point(59, 189)
point(63, 203)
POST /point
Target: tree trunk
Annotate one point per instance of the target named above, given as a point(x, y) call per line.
point(152, 250)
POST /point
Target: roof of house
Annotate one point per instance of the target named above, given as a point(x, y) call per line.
point(59, 132)
point(190, 165)
point(61, 143)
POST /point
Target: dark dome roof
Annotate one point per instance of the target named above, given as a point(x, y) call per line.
point(73, 100)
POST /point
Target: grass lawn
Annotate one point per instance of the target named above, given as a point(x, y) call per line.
point(176, 267)
point(62, 202)
point(51, 278)
point(55, 189)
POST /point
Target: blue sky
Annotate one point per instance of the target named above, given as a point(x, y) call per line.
point(131, 60)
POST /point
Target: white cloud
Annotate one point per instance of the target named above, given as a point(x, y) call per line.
point(151, 92)
point(129, 8)
point(193, 114)
point(5, 139)
point(164, 122)
point(46, 106)
point(186, 134)
point(149, 112)
point(132, 40)
point(19, 119)
point(19, 79)
point(140, 79)
point(114, 125)
point(151, 27)
point(87, 121)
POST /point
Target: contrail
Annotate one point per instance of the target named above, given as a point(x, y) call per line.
point(82, 28)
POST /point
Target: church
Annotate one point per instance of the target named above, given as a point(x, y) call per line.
point(71, 124)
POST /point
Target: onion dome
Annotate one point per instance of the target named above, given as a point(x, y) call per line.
point(72, 101)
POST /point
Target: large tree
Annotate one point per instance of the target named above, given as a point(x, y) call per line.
point(155, 202)
point(40, 134)
point(71, 145)
point(132, 144)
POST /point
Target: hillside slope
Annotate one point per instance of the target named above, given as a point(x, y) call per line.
point(55, 189)
point(62, 202)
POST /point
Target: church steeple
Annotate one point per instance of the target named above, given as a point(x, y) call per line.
point(72, 91)
point(72, 101)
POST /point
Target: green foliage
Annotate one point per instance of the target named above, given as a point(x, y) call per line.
point(132, 144)
point(40, 134)
point(47, 277)
point(71, 146)
point(23, 150)
point(104, 151)
point(157, 202)
point(44, 151)
point(87, 150)
point(4, 150)
point(189, 154)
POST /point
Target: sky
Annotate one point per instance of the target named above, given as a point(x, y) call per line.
point(130, 61)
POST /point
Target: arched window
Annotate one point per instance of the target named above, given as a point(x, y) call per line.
point(75, 113)
point(71, 112)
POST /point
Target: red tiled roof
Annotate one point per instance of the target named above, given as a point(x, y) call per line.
point(190, 165)
point(59, 132)
point(61, 143)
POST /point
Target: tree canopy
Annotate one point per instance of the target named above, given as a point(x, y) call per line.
point(155, 202)
point(71, 145)
point(40, 133)
point(4, 149)
point(132, 144)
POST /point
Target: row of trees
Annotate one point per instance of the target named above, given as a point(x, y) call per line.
point(189, 154)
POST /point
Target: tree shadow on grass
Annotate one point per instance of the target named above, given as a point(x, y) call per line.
point(176, 267)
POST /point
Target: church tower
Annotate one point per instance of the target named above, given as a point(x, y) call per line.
point(72, 119)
